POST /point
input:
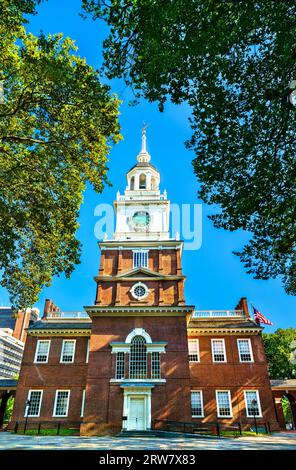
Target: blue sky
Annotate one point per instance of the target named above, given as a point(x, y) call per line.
point(215, 277)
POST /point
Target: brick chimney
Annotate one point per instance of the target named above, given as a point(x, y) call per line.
point(50, 307)
point(23, 318)
point(243, 305)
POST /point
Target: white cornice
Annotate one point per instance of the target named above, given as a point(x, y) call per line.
point(59, 332)
point(223, 331)
point(131, 244)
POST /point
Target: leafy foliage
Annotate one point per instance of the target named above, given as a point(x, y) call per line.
point(287, 410)
point(232, 61)
point(57, 123)
point(280, 349)
point(9, 410)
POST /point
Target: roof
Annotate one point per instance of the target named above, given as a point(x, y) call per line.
point(224, 324)
point(49, 325)
point(6, 318)
point(143, 165)
point(8, 383)
point(285, 383)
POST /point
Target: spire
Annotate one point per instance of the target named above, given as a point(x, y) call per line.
point(144, 156)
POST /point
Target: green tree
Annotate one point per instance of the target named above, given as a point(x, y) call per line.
point(287, 410)
point(280, 349)
point(57, 123)
point(9, 410)
point(232, 61)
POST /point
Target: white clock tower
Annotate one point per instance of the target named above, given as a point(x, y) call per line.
point(142, 212)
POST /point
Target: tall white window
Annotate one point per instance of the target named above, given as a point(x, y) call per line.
point(197, 404)
point(120, 362)
point(193, 349)
point(138, 358)
point(252, 401)
point(155, 365)
point(82, 404)
point(218, 350)
point(33, 405)
point(245, 350)
point(68, 350)
point(140, 259)
point(42, 351)
point(224, 408)
point(61, 403)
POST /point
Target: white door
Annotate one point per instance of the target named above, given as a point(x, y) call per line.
point(136, 418)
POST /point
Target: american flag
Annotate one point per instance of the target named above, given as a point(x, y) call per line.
point(260, 318)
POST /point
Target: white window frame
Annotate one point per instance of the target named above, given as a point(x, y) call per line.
point(201, 402)
point(82, 404)
point(158, 362)
point(141, 284)
point(218, 407)
point(55, 404)
point(258, 401)
point(250, 349)
point(194, 340)
point(37, 348)
point(224, 350)
point(87, 351)
point(62, 351)
point(117, 364)
point(146, 252)
point(40, 403)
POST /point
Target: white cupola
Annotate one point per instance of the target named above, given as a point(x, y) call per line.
point(142, 212)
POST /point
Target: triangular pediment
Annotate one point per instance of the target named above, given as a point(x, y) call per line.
point(140, 272)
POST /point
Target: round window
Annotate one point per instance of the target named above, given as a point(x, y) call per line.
point(139, 291)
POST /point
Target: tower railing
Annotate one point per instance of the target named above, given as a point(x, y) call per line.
point(68, 314)
point(217, 313)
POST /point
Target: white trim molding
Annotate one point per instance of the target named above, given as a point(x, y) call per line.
point(39, 405)
point(62, 351)
point(138, 332)
point(250, 350)
point(55, 415)
point(229, 402)
point(222, 340)
point(143, 286)
point(142, 391)
point(37, 351)
point(202, 415)
point(192, 352)
point(248, 415)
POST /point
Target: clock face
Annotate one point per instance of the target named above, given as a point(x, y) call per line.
point(141, 220)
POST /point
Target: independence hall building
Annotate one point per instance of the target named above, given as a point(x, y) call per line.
point(140, 356)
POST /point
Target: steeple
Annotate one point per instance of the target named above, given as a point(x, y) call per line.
point(144, 156)
point(142, 213)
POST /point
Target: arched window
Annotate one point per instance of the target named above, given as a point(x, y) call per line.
point(142, 181)
point(138, 358)
point(132, 183)
point(153, 184)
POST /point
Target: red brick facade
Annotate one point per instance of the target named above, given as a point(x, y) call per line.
point(122, 327)
point(167, 320)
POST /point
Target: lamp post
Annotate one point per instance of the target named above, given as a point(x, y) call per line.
point(28, 402)
point(254, 408)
